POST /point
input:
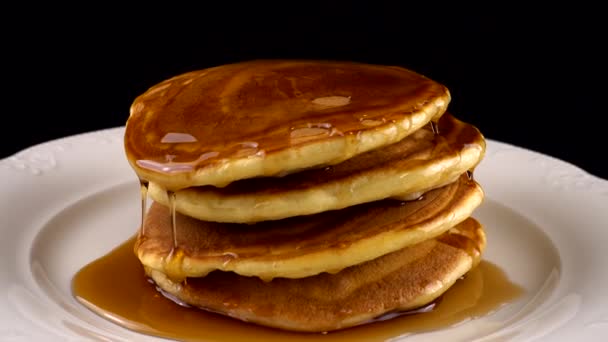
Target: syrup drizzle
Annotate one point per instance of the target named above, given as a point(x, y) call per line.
point(143, 189)
point(171, 198)
point(173, 262)
point(435, 127)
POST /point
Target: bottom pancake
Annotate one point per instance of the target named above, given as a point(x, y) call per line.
point(403, 280)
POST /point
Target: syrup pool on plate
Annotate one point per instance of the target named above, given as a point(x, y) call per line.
point(116, 288)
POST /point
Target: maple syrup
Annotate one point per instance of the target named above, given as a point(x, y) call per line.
point(116, 288)
point(143, 191)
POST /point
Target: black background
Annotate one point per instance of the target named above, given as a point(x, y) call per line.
point(535, 80)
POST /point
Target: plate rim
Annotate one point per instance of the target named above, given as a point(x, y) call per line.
point(591, 185)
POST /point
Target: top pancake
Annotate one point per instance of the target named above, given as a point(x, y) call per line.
point(272, 117)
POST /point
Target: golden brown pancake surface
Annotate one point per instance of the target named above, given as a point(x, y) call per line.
point(302, 246)
point(263, 118)
point(402, 280)
point(418, 163)
point(316, 157)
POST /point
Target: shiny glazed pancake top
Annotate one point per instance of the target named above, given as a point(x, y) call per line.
point(406, 169)
point(272, 117)
point(301, 246)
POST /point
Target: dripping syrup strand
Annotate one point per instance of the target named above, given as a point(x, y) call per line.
point(435, 127)
point(173, 262)
point(171, 197)
point(143, 189)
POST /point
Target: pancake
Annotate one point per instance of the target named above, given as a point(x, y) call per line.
point(403, 280)
point(416, 164)
point(302, 246)
point(273, 117)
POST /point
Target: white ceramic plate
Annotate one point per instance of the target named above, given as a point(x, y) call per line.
point(69, 201)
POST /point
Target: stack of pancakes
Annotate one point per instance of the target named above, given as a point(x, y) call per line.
point(305, 195)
